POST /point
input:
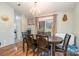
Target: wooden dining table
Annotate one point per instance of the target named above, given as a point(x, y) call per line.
point(54, 42)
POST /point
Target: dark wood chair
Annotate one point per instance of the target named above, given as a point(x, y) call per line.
point(30, 43)
point(24, 40)
point(42, 44)
point(65, 45)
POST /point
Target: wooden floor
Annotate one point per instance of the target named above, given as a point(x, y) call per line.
point(12, 51)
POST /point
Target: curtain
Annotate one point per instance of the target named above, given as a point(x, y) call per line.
point(54, 28)
point(36, 24)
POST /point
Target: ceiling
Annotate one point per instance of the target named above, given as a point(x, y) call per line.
point(44, 7)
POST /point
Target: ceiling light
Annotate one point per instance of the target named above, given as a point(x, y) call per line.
point(35, 9)
point(19, 4)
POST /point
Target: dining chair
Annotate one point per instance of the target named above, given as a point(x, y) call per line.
point(24, 39)
point(42, 44)
point(30, 43)
point(65, 45)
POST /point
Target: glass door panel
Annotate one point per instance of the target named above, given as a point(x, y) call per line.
point(42, 26)
point(46, 26)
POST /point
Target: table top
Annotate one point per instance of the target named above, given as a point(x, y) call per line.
point(56, 40)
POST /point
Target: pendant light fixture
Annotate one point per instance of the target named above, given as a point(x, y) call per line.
point(35, 9)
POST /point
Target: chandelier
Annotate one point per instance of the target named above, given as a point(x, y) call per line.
point(35, 10)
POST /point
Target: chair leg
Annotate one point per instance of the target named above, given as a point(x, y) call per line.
point(33, 52)
point(65, 54)
point(27, 51)
point(23, 46)
point(38, 52)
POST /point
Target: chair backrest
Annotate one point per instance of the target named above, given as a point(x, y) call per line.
point(41, 41)
point(29, 39)
point(66, 42)
point(30, 36)
point(24, 34)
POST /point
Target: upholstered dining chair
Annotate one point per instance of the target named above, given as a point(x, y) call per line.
point(30, 43)
point(65, 45)
point(42, 44)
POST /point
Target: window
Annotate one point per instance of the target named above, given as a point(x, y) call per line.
point(45, 25)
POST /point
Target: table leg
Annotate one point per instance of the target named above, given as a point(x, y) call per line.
point(38, 52)
point(53, 49)
point(23, 46)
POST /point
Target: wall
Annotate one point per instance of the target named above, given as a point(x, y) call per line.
point(18, 27)
point(72, 25)
point(21, 25)
point(68, 26)
point(7, 35)
point(76, 24)
point(65, 27)
point(6, 27)
point(24, 24)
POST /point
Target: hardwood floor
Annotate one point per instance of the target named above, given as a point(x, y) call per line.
point(11, 50)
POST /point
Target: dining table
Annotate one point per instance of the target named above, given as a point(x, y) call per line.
point(52, 41)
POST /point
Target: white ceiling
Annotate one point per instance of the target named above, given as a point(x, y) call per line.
point(44, 7)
